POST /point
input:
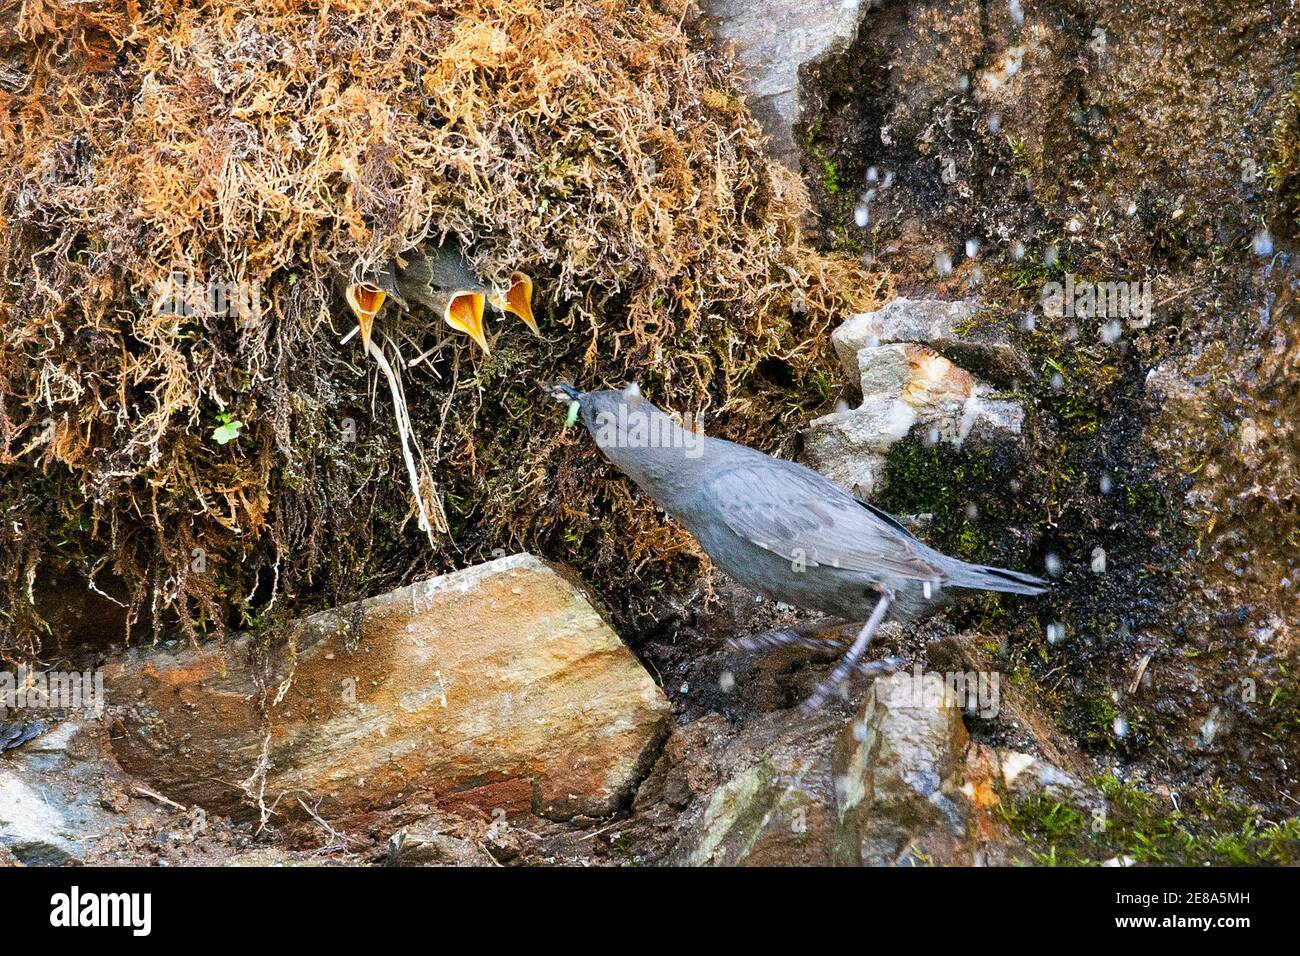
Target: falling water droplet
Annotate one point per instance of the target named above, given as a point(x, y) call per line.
point(1052, 563)
point(972, 248)
point(873, 174)
point(1098, 560)
point(1111, 331)
point(943, 264)
point(1058, 381)
point(1017, 250)
point(1262, 244)
point(1105, 485)
point(861, 215)
point(726, 682)
point(1051, 256)
point(1120, 727)
point(1055, 633)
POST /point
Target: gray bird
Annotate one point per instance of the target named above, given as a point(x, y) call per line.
point(779, 528)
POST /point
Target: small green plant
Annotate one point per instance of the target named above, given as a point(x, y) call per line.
point(227, 430)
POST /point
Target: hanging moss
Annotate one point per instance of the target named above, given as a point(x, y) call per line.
point(600, 147)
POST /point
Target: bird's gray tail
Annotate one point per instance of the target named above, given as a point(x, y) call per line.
point(985, 578)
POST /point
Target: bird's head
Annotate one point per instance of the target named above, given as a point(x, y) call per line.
point(598, 406)
point(641, 439)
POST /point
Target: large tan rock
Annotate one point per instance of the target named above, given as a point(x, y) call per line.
point(498, 686)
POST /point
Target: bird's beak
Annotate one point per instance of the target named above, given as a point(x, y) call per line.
point(366, 300)
point(564, 393)
point(465, 312)
point(519, 300)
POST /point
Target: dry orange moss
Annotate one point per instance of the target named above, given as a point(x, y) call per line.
point(277, 145)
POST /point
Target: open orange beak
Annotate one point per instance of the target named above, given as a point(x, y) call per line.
point(366, 300)
point(464, 312)
point(519, 300)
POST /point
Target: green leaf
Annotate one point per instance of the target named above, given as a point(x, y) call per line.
point(227, 431)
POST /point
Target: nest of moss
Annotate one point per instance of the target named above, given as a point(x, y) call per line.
point(211, 464)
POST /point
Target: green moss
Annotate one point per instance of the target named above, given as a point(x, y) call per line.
point(944, 482)
point(1203, 830)
point(1284, 169)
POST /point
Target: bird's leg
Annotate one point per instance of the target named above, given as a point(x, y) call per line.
point(849, 662)
point(800, 635)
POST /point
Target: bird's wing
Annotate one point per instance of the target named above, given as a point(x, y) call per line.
point(804, 518)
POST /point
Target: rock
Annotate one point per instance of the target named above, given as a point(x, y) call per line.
point(52, 811)
point(772, 41)
point(904, 385)
point(849, 447)
point(910, 787)
point(1024, 775)
point(498, 687)
point(948, 327)
point(755, 795)
point(426, 844)
point(898, 775)
point(757, 818)
point(264, 856)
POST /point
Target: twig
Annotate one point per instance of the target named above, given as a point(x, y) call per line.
point(403, 432)
point(340, 838)
point(146, 792)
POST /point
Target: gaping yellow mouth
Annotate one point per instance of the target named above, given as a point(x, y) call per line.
point(465, 313)
point(519, 300)
point(366, 300)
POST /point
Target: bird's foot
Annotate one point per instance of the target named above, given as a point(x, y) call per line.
point(851, 662)
point(827, 689)
point(787, 637)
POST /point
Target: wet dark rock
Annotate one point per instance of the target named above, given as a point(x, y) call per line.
point(772, 41)
point(758, 794)
point(51, 795)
